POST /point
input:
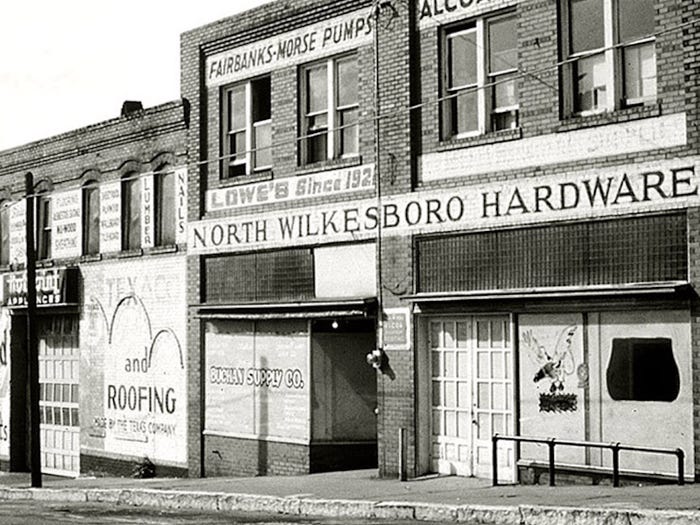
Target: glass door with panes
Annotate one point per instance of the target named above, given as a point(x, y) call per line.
point(472, 394)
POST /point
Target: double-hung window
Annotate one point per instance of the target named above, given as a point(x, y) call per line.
point(131, 212)
point(330, 110)
point(91, 218)
point(43, 226)
point(611, 55)
point(479, 77)
point(247, 146)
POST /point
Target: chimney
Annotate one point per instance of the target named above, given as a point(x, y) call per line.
point(129, 107)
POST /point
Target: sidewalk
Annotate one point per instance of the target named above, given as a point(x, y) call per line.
point(361, 494)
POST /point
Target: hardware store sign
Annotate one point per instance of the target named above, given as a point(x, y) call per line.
point(294, 47)
point(665, 185)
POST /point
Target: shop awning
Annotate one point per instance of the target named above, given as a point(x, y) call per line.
point(364, 307)
point(564, 292)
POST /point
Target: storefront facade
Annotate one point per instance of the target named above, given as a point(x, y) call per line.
point(110, 233)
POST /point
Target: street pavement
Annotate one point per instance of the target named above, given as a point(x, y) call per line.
point(362, 495)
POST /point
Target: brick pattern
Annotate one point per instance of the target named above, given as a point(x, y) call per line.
point(246, 457)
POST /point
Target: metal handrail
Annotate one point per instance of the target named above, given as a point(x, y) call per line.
point(615, 447)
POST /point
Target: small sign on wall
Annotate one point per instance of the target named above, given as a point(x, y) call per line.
point(18, 232)
point(147, 215)
point(67, 224)
point(397, 328)
point(110, 217)
point(181, 205)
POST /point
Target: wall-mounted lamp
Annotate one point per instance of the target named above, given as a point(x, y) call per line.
point(376, 358)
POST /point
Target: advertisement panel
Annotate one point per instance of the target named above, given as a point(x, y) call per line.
point(258, 371)
point(134, 359)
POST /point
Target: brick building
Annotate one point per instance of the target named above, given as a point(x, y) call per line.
point(110, 233)
point(523, 213)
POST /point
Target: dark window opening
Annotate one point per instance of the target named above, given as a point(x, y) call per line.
point(643, 370)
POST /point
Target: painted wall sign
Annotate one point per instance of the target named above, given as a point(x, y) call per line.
point(181, 205)
point(54, 286)
point(4, 384)
point(134, 355)
point(259, 372)
point(331, 36)
point(579, 145)
point(147, 211)
point(67, 209)
point(583, 194)
point(18, 232)
point(110, 217)
point(434, 12)
point(333, 182)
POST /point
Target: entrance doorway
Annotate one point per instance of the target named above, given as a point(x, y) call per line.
point(59, 379)
point(471, 361)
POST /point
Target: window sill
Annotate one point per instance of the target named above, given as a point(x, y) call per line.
point(45, 263)
point(159, 250)
point(326, 165)
point(609, 117)
point(126, 254)
point(92, 257)
point(245, 179)
point(480, 140)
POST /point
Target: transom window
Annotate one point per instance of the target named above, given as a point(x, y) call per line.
point(613, 54)
point(247, 144)
point(479, 77)
point(330, 110)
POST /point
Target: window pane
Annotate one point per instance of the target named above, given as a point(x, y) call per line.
point(132, 213)
point(347, 82)
point(4, 235)
point(317, 142)
point(636, 19)
point(165, 213)
point(236, 108)
point(503, 44)
point(462, 59)
point(590, 75)
point(91, 219)
point(317, 89)
point(640, 73)
point(261, 99)
point(263, 143)
point(586, 25)
point(349, 136)
point(44, 228)
point(464, 112)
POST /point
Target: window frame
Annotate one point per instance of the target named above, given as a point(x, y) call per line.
point(43, 226)
point(5, 233)
point(250, 128)
point(334, 111)
point(485, 92)
point(613, 52)
point(90, 197)
point(160, 205)
point(129, 183)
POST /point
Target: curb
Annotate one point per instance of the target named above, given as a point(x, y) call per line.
point(358, 509)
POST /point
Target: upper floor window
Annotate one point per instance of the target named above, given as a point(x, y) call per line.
point(43, 226)
point(247, 144)
point(131, 212)
point(612, 53)
point(91, 218)
point(4, 234)
point(165, 206)
point(479, 78)
point(330, 110)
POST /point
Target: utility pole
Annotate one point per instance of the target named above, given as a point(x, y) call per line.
point(32, 346)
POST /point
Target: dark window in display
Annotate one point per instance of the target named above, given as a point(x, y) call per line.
point(643, 369)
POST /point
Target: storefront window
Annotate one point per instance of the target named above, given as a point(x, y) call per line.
point(643, 370)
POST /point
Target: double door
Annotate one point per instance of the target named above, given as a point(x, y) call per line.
point(472, 394)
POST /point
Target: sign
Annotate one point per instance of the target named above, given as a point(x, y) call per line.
point(434, 12)
point(18, 232)
point(54, 286)
point(181, 205)
point(133, 356)
point(4, 384)
point(329, 37)
point(584, 194)
point(396, 328)
point(327, 183)
point(667, 131)
point(147, 211)
point(259, 372)
point(66, 217)
point(110, 217)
